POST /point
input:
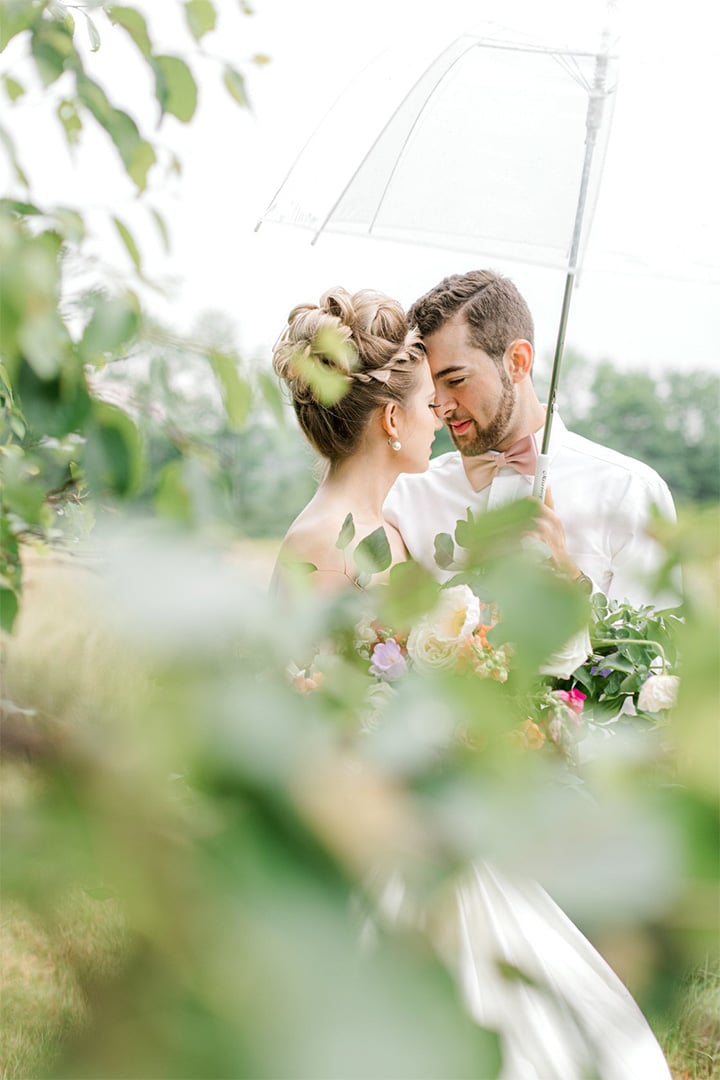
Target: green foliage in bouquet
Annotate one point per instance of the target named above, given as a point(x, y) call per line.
point(629, 646)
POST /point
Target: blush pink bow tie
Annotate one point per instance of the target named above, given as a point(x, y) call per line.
point(481, 469)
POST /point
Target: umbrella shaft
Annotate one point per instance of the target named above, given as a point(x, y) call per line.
point(594, 116)
point(557, 359)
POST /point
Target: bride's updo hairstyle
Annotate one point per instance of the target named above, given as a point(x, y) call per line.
point(342, 360)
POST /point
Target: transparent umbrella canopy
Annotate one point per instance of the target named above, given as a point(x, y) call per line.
point(493, 147)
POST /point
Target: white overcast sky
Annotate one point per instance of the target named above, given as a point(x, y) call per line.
point(657, 202)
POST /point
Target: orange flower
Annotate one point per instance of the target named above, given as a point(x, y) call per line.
point(307, 683)
point(533, 736)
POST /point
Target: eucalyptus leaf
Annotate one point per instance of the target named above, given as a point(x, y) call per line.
point(141, 161)
point(327, 383)
point(134, 23)
point(329, 342)
point(271, 395)
point(114, 322)
point(236, 392)
point(13, 88)
point(175, 87)
point(52, 48)
point(373, 555)
point(11, 152)
point(137, 154)
point(16, 18)
point(17, 206)
point(71, 223)
point(492, 534)
point(129, 241)
point(93, 33)
point(305, 567)
point(411, 591)
point(69, 117)
point(172, 498)
point(299, 567)
point(200, 16)
point(444, 550)
point(8, 609)
point(235, 85)
point(113, 458)
point(162, 228)
point(346, 534)
point(55, 405)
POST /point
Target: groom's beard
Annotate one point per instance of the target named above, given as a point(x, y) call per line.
point(479, 439)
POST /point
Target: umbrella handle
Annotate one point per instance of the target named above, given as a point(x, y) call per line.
point(541, 476)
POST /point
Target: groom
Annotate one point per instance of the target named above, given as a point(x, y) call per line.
point(478, 333)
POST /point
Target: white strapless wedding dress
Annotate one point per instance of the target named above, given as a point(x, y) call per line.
point(565, 1015)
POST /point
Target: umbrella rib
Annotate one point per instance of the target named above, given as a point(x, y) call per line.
point(414, 124)
point(289, 172)
point(380, 134)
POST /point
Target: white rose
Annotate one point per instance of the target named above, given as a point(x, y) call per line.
point(433, 641)
point(365, 631)
point(569, 658)
point(457, 613)
point(427, 650)
point(658, 692)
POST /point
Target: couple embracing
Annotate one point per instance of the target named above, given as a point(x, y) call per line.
point(462, 357)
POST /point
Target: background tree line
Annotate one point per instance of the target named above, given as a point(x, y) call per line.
point(667, 419)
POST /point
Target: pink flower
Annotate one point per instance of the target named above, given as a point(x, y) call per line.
point(574, 699)
point(555, 729)
point(388, 662)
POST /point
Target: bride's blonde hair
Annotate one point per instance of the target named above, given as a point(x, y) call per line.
point(342, 360)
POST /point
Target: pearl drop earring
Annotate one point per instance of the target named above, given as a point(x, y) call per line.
point(394, 443)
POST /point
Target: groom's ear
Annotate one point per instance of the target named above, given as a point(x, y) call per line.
point(390, 419)
point(519, 359)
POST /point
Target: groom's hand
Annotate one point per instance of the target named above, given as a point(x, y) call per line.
point(549, 530)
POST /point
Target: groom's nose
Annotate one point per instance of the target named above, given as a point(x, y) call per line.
point(444, 403)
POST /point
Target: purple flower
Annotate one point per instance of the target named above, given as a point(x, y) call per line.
point(603, 672)
point(388, 662)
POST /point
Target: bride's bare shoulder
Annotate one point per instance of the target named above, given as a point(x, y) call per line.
point(312, 539)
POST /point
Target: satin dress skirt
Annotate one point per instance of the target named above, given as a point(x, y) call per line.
point(526, 971)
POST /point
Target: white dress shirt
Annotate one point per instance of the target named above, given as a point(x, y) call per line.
point(602, 497)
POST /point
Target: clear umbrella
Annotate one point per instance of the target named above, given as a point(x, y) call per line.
point(495, 147)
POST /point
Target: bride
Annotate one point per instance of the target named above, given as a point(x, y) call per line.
point(378, 423)
point(363, 395)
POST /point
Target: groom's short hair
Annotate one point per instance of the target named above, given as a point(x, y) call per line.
point(495, 312)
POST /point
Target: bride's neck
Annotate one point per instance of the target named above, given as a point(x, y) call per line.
point(362, 482)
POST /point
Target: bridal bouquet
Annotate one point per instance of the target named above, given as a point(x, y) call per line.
point(623, 675)
point(619, 668)
point(452, 636)
point(626, 678)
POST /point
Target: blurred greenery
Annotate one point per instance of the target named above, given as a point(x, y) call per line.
point(669, 419)
point(193, 849)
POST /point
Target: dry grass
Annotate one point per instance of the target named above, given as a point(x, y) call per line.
point(42, 971)
point(692, 1044)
